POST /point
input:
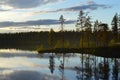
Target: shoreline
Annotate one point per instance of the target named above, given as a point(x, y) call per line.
point(107, 52)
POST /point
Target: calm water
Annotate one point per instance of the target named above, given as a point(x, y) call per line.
point(28, 65)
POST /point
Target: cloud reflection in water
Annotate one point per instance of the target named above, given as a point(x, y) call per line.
point(26, 75)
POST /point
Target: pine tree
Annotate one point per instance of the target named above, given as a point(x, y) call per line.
point(51, 38)
point(95, 32)
point(104, 34)
point(115, 23)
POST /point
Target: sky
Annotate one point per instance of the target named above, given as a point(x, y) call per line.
point(42, 15)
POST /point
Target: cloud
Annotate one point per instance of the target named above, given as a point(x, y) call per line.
point(16, 16)
point(90, 5)
point(23, 4)
point(32, 23)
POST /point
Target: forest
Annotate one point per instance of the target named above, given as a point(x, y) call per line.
point(42, 40)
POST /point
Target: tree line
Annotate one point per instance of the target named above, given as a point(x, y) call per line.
point(52, 39)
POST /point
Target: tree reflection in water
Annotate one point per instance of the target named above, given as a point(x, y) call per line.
point(52, 63)
point(84, 72)
point(90, 67)
point(115, 69)
point(97, 68)
point(104, 69)
point(61, 66)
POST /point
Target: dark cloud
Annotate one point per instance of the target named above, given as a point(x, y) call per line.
point(91, 2)
point(26, 3)
point(23, 3)
point(90, 5)
point(31, 23)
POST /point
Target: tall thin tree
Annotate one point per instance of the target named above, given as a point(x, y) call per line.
point(51, 38)
point(115, 25)
point(62, 20)
point(95, 32)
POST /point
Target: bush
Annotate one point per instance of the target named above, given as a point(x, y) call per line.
point(40, 48)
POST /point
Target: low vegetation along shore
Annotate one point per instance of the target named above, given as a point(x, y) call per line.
point(108, 52)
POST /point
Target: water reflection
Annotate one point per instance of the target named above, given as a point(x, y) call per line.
point(61, 66)
point(52, 63)
point(17, 53)
point(91, 67)
point(57, 66)
point(96, 68)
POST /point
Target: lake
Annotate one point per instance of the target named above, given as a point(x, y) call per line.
point(29, 65)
